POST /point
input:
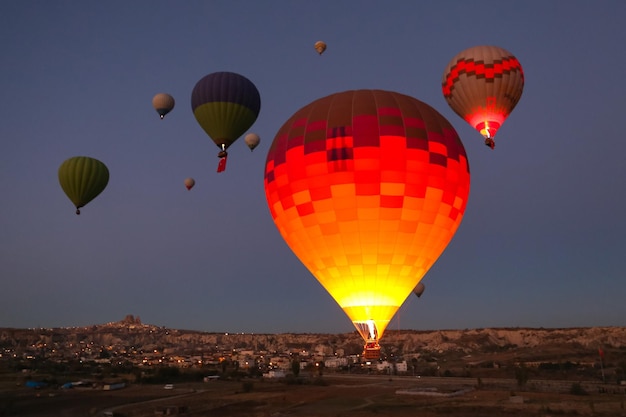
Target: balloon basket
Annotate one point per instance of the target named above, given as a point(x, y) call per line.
point(371, 351)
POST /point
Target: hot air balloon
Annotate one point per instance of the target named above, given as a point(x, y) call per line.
point(82, 179)
point(189, 183)
point(320, 47)
point(225, 105)
point(482, 85)
point(163, 104)
point(367, 188)
point(252, 140)
point(419, 289)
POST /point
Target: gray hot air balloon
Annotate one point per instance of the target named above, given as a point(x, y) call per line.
point(252, 140)
point(163, 103)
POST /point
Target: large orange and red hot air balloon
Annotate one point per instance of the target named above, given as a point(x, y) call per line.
point(483, 84)
point(367, 188)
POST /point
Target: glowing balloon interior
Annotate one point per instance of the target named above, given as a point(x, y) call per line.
point(367, 188)
point(483, 85)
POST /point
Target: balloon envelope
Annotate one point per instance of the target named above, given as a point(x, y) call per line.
point(483, 84)
point(163, 103)
point(225, 104)
point(189, 183)
point(367, 188)
point(320, 47)
point(252, 140)
point(82, 179)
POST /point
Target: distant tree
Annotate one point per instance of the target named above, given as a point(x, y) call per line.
point(167, 374)
point(254, 372)
point(295, 367)
point(521, 375)
point(320, 368)
point(577, 389)
point(7, 407)
point(620, 371)
point(320, 382)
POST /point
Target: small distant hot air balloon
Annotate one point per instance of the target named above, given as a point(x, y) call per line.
point(252, 140)
point(189, 183)
point(483, 84)
point(419, 289)
point(320, 47)
point(163, 104)
point(367, 188)
point(82, 179)
point(225, 105)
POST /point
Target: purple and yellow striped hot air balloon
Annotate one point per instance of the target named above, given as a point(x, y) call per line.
point(225, 105)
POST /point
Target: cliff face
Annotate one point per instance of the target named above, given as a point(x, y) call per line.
point(131, 334)
point(477, 339)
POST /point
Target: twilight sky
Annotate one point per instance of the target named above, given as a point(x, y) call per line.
point(542, 241)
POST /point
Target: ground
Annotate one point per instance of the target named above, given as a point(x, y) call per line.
point(329, 396)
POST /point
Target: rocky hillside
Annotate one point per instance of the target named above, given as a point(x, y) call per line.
point(130, 333)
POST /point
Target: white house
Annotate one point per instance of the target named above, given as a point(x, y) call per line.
point(274, 374)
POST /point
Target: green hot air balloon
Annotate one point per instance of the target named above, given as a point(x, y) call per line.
point(83, 179)
point(225, 105)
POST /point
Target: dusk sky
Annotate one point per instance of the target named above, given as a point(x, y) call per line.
point(541, 243)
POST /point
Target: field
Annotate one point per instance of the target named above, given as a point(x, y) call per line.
point(333, 395)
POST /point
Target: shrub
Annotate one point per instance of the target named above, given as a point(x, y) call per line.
point(319, 381)
point(577, 389)
point(247, 386)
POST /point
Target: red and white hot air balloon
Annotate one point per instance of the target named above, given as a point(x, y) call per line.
point(483, 84)
point(189, 183)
